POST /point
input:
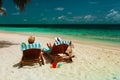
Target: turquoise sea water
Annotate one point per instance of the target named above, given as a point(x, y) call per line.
point(105, 35)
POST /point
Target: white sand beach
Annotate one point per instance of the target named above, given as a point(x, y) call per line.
point(93, 61)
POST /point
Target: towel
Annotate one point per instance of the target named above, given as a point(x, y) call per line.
point(23, 46)
point(62, 42)
point(47, 50)
point(28, 46)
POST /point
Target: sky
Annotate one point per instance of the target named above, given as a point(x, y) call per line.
point(63, 12)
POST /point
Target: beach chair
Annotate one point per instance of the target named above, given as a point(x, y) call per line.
point(31, 54)
point(59, 48)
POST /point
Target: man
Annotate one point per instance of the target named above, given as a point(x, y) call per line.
point(31, 39)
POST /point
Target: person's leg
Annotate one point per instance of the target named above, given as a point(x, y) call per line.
point(42, 58)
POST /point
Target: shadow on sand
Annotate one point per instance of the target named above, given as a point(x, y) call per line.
point(6, 44)
point(17, 65)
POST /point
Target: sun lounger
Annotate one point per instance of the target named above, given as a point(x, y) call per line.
point(31, 54)
point(59, 48)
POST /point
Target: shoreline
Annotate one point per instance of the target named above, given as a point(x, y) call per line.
point(66, 37)
point(82, 36)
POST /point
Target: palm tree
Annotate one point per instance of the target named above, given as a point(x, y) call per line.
point(2, 10)
point(19, 3)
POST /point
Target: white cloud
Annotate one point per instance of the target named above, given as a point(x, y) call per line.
point(65, 18)
point(113, 15)
point(25, 20)
point(59, 9)
point(44, 18)
point(70, 19)
point(88, 18)
point(77, 17)
point(61, 17)
point(69, 12)
point(17, 13)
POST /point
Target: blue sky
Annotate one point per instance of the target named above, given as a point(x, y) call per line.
point(63, 12)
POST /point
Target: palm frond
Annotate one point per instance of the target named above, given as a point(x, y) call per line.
point(21, 3)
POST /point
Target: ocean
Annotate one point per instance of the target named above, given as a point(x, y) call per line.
point(103, 34)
